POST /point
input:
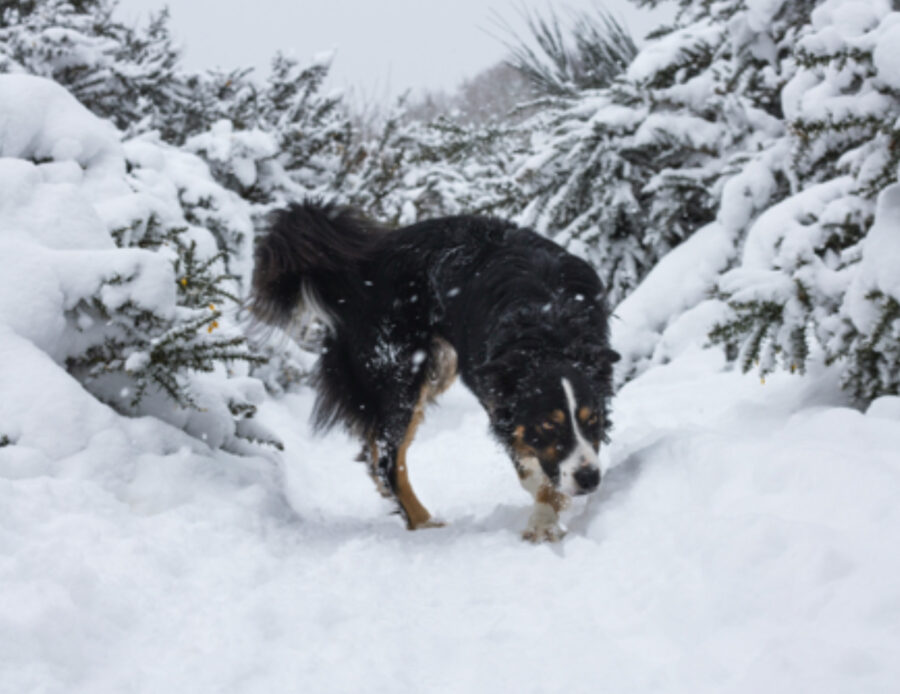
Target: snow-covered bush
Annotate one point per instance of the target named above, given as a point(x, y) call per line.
point(808, 270)
point(415, 170)
point(283, 140)
point(128, 75)
point(625, 173)
point(104, 272)
point(265, 142)
point(806, 94)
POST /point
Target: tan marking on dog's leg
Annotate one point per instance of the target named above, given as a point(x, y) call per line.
point(417, 516)
point(552, 497)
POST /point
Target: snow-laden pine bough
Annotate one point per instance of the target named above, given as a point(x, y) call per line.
point(521, 320)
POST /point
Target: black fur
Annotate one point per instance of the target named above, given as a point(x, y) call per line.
point(520, 311)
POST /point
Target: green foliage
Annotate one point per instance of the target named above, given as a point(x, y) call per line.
point(416, 170)
point(630, 170)
point(310, 127)
point(849, 135)
point(873, 360)
point(277, 141)
point(128, 75)
point(563, 63)
point(156, 350)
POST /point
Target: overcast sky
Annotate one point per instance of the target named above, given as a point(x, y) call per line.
point(382, 47)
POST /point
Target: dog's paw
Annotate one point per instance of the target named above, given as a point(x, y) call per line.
point(430, 523)
point(543, 525)
point(543, 533)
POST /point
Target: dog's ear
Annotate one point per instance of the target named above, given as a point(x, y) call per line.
point(498, 378)
point(593, 358)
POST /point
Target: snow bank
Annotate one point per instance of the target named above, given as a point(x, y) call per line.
point(41, 121)
point(684, 278)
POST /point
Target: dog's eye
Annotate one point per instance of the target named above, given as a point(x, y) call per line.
point(588, 417)
point(548, 425)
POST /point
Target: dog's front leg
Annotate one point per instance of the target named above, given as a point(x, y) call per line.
point(543, 525)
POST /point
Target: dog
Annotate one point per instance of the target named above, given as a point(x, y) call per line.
point(522, 321)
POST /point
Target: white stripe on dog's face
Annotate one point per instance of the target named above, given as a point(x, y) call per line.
point(583, 459)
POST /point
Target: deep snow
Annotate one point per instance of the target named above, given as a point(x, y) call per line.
point(744, 540)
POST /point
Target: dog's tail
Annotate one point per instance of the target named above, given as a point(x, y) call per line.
point(309, 260)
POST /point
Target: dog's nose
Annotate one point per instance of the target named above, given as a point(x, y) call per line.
point(587, 477)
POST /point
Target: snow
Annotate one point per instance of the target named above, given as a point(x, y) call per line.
point(222, 144)
point(684, 278)
point(880, 259)
point(885, 407)
point(692, 130)
point(38, 120)
point(760, 13)
point(849, 17)
point(765, 237)
point(712, 559)
point(59, 207)
point(743, 538)
point(744, 195)
point(886, 55)
point(63, 253)
point(671, 49)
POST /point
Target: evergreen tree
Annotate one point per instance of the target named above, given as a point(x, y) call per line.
point(281, 141)
point(629, 171)
point(562, 62)
point(171, 352)
point(145, 295)
point(130, 76)
point(312, 129)
point(801, 277)
point(625, 171)
point(416, 170)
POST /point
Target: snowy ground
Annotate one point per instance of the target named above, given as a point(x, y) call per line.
point(744, 540)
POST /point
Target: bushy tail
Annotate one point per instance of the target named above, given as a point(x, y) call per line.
point(311, 254)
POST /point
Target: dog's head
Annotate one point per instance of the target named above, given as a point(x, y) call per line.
point(552, 415)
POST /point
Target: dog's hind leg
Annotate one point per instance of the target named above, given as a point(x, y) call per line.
point(392, 467)
point(406, 402)
point(369, 456)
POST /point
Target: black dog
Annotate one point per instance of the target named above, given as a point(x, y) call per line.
point(520, 319)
